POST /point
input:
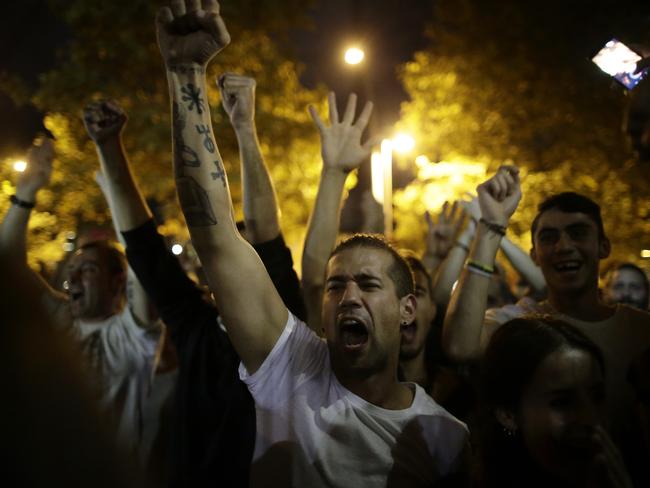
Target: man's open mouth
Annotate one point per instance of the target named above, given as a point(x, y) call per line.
point(76, 295)
point(408, 332)
point(353, 333)
point(567, 267)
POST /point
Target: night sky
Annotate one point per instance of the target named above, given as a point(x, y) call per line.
point(389, 30)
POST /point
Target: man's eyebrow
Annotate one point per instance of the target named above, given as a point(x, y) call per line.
point(366, 276)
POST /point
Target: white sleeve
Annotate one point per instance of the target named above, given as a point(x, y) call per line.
point(298, 355)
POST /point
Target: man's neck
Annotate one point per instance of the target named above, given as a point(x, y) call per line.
point(415, 370)
point(381, 389)
point(582, 305)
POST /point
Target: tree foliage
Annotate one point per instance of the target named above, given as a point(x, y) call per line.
point(512, 82)
point(113, 54)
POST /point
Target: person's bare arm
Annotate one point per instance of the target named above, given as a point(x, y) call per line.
point(13, 230)
point(342, 152)
point(261, 212)
point(190, 33)
point(104, 123)
point(464, 336)
point(450, 268)
point(524, 265)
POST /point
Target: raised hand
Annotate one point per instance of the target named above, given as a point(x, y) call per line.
point(104, 120)
point(238, 98)
point(341, 146)
point(38, 171)
point(499, 196)
point(190, 32)
point(441, 234)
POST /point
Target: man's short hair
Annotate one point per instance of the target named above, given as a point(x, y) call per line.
point(113, 255)
point(570, 202)
point(399, 271)
point(416, 264)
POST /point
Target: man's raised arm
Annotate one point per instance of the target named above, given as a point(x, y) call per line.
point(190, 33)
point(342, 152)
point(260, 203)
point(13, 230)
point(104, 122)
point(464, 336)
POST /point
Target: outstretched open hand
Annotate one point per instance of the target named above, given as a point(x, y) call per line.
point(341, 146)
point(190, 32)
point(104, 120)
point(441, 234)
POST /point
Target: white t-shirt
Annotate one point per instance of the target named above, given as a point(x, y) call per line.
point(313, 432)
point(121, 355)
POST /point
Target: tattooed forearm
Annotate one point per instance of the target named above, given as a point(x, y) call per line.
point(186, 155)
point(179, 117)
point(195, 203)
point(187, 69)
point(192, 95)
point(220, 173)
point(207, 142)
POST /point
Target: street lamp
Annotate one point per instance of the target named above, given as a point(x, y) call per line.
point(403, 143)
point(20, 166)
point(353, 55)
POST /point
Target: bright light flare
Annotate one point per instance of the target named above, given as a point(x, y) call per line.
point(645, 254)
point(20, 166)
point(616, 58)
point(354, 55)
point(177, 249)
point(403, 143)
point(377, 175)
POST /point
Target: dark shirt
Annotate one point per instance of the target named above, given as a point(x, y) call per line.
point(213, 430)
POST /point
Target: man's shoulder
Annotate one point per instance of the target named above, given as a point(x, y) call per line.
point(424, 404)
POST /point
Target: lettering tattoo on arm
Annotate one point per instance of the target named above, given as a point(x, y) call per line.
point(192, 95)
point(220, 173)
point(207, 142)
point(195, 202)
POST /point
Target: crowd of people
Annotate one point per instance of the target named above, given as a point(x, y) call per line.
point(376, 367)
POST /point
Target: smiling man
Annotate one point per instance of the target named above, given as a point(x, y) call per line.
point(118, 340)
point(569, 241)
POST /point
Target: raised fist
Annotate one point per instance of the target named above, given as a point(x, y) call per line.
point(190, 31)
point(104, 120)
point(499, 196)
point(238, 98)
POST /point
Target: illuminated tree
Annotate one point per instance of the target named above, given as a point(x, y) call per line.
point(509, 82)
point(113, 54)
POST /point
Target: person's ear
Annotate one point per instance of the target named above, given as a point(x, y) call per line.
point(533, 255)
point(506, 419)
point(407, 307)
point(604, 248)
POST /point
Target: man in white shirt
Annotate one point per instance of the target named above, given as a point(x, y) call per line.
point(116, 339)
point(328, 414)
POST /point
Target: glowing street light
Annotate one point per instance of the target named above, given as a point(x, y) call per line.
point(20, 166)
point(177, 249)
point(354, 55)
point(403, 143)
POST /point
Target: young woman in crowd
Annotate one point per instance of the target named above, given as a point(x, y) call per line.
point(543, 399)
